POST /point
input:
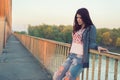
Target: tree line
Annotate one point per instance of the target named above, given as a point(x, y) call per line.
point(62, 33)
point(59, 33)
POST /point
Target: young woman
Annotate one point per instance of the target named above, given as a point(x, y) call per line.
point(83, 39)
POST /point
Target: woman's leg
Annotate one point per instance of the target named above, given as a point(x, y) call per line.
point(62, 69)
point(75, 69)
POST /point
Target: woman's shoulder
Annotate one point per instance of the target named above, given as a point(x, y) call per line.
point(92, 27)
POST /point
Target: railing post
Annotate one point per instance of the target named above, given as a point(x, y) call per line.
point(115, 69)
point(99, 67)
point(93, 66)
point(87, 73)
point(107, 68)
point(83, 75)
point(44, 52)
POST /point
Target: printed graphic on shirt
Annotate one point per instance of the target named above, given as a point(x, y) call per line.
point(77, 37)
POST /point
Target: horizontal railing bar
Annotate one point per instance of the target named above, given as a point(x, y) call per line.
point(51, 41)
point(113, 53)
point(105, 54)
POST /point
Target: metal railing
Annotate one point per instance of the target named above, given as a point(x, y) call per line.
point(103, 66)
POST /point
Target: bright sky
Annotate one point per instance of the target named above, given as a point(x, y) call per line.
point(104, 13)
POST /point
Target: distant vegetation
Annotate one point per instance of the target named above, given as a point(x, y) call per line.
point(59, 33)
point(22, 32)
point(106, 37)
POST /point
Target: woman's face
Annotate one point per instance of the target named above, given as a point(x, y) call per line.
point(79, 20)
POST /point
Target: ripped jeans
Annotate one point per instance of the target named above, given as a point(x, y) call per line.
point(70, 69)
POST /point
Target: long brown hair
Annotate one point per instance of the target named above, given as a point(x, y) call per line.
point(85, 17)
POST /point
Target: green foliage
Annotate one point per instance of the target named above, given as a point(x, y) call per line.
point(22, 32)
point(63, 33)
point(67, 34)
point(100, 33)
point(115, 33)
point(59, 33)
point(118, 42)
point(106, 38)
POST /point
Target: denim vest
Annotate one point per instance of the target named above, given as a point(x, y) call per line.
point(89, 42)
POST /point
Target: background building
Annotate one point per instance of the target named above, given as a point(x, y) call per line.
point(5, 22)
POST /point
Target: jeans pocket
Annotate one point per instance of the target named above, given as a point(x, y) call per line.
point(74, 62)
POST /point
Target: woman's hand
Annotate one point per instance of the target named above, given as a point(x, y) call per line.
point(102, 49)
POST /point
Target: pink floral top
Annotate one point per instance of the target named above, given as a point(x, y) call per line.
point(77, 44)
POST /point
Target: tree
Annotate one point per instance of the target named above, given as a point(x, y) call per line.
point(106, 38)
point(23, 32)
point(115, 33)
point(100, 34)
point(36, 31)
point(118, 42)
point(30, 30)
point(67, 34)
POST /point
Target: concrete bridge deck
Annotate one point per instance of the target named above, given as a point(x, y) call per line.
point(17, 63)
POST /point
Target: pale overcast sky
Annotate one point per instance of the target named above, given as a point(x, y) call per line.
point(104, 13)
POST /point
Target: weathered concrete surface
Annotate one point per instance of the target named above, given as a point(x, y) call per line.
point(16, 63)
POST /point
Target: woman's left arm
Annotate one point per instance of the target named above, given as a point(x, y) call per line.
point(92, 38)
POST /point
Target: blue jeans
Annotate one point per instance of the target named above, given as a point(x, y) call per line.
point(70, 69)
